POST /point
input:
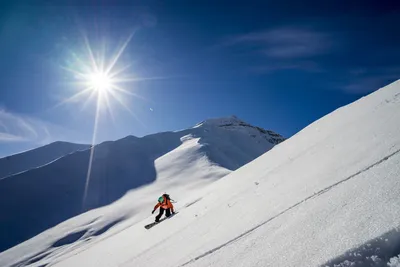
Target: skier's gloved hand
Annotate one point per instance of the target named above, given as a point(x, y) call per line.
point(153, 211)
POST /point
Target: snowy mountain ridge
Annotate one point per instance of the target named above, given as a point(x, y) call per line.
point(61, 189)
point(34, 158)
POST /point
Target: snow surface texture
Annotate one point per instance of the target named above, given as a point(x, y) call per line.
point(180, 162)
point(36, 157)
point(328, 196)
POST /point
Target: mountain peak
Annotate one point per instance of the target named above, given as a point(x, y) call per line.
point(235, 124)
point(220, 121)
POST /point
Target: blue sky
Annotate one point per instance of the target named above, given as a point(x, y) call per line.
point(278, 65)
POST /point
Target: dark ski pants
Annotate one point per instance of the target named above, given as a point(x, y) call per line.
point(167, 213)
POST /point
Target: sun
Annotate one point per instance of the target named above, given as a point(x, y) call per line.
point(100, 82)
point(101, 79)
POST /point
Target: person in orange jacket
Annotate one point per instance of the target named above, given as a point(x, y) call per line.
point(164, 203)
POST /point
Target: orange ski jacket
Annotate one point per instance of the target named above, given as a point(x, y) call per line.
point(166, 204)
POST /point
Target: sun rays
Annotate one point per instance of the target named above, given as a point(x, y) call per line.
point(106, 80)
point(100, 80)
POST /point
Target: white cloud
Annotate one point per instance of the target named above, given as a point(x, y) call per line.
point(285, 48)
point(308, 66)
point(286, 42)
point(21, 128)
point(368, 80)
point(6, 137)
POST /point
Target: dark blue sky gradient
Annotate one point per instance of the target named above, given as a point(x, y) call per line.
point(277, 65)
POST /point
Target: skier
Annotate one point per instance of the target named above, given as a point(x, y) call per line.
point(164, 202)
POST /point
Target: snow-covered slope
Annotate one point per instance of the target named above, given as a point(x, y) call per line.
point(36, 157)
point(180, 162)
point(328, 196)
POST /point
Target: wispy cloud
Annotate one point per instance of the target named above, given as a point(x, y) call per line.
point(6, 137)
point(286, 42)
point(21, 128)
point(309, 66)
point(341, 58)
point(366, 80)
point(284, 48)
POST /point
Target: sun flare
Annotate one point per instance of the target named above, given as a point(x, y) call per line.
point(100, 82)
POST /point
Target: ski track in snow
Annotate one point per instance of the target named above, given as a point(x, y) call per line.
point(322, 191)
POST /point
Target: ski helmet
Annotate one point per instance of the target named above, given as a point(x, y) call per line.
point(161, 199)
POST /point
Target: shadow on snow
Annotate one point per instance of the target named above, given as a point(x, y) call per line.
point(374, 253)
point(48, 195)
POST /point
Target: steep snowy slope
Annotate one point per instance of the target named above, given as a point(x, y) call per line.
point(329, 196)
point(36, 200)
point(36, 157)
